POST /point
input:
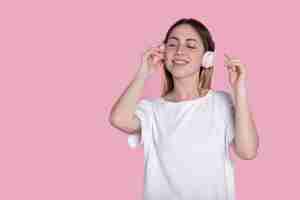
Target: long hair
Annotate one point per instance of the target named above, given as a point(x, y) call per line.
point(205, 74)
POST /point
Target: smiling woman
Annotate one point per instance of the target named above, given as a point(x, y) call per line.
point(187, 131)
point(187, 40)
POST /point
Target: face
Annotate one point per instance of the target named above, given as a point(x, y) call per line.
point(183, 51)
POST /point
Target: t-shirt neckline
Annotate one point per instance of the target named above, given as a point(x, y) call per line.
point(198, 99)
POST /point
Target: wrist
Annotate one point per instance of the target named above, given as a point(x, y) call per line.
point(141, 76)
point(240, 90)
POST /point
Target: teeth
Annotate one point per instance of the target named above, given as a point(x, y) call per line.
point(180, 62)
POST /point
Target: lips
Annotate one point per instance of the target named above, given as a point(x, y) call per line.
point(180, 61)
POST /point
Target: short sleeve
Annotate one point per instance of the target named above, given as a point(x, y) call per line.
point(144, 113)
point(229, 117)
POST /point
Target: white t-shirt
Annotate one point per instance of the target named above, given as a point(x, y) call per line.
point(186, 147)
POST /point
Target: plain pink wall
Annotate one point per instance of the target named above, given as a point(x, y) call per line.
point(64, 64)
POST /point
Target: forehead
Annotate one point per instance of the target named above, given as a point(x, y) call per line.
point(184, 32)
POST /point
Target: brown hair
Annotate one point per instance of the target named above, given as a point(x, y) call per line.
point(205, 74)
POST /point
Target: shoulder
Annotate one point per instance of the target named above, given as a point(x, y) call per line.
point(222, 94)
point(223, 97)
point(225, 104)
point(146, 103)
point(150, 101)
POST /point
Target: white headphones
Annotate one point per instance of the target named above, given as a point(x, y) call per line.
point(208, 59)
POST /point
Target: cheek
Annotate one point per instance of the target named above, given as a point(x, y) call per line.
point(196, 60)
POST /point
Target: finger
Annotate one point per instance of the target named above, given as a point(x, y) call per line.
point(235, 59)
point(157, 53)
point(159, 49)
point(227, 60)
point(228, 63)
point(239, 65)
point(231, 68)
point(149, 50)
point(233, 62)
point(161, 46)
point(152, 48)
point(156, 57)
point(231, 59)
point(152, 52)
point(241, 68)
point(227, 56)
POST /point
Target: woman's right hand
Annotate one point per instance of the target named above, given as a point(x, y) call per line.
point(152, 59)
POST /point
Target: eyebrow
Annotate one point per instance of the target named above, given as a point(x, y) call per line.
point(189, 39)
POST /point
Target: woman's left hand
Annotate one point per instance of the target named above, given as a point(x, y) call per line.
point(236, 72)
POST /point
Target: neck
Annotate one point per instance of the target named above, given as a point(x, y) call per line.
point(186, 88)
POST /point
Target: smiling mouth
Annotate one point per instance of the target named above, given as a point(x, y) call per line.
point(180, 62)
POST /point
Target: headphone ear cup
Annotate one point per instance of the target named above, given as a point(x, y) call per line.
point(208, 59)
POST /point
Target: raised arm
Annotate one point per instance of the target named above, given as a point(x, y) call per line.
point(122, 114)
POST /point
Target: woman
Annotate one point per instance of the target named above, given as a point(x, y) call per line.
point(187, 131)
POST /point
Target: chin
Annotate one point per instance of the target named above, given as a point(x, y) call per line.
point(181, 73)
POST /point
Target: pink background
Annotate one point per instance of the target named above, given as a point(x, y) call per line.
point(64, 64)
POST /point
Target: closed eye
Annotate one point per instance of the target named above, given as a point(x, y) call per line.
point(189, 46)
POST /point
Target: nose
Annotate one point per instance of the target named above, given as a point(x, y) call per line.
point(180, 50)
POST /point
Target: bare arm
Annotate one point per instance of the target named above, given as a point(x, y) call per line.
point(246, 139)
point(246, 142)
point(122, 114)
